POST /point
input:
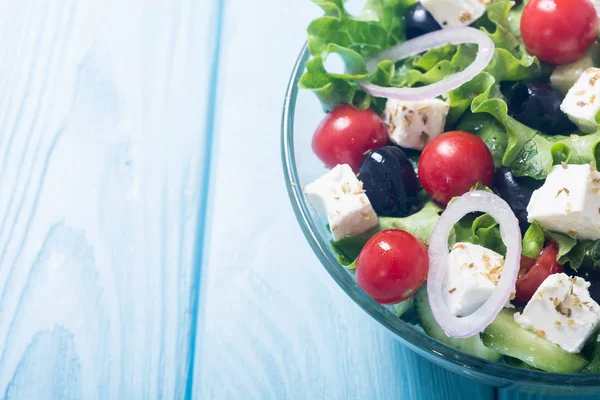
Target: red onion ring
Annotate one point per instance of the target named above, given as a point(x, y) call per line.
point(474, 201)
point(426, 42)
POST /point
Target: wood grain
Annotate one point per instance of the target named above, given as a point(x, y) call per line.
point(275, 325)
point(101, 149)
point(117, 278)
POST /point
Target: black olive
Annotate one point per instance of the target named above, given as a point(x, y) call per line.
point(389, 181)
point(419, 21)
point(537, 105)
point(594, 287)
point(517, 193)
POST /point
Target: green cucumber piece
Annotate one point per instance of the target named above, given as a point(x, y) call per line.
point(515, 362)
point(564, 76)
point(472, 345)
point(594, 366)
point(403, 307)
point(507, 337)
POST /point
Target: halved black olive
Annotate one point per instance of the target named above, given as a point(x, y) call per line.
point(390, 182)
point(418, 21)
point(537, 105)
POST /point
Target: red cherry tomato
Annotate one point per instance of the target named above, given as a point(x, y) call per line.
point(535, 271)
point(346, 134)
point(452, 163)
point(559, 31)
point(392, 266)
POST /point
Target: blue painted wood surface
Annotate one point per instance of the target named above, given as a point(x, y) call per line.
point(147, 248)
point(102, 116)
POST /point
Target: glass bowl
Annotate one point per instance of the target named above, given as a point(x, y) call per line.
point(301, 115)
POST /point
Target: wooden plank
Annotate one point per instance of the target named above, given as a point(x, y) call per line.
point(273, 324)
point(101, 146)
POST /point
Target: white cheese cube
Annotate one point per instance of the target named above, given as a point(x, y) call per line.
point(413, 124)
point(569, 201)
point(473, 272)
point(582, 103)
point(562, 311)
point(455, 13)
point(340, 195)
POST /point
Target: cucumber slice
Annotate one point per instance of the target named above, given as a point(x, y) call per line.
point(472, 345)
point(507, 337)
point(514, 362)
point(594, 366)
point(401, 308)
point(564, 76)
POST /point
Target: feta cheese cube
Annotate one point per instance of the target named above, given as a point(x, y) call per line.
point(582, 102)
point(340, 195)
point(569, 201)
point(562, 311)
point(412, 124)
point(455, 13)
point(473, 272)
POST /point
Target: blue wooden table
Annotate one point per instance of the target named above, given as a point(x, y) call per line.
point(147, 248)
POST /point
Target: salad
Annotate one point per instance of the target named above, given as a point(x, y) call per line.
point(461, 138)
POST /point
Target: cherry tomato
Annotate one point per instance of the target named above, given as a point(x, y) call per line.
point(452, 163)
point(346, 134)
point(535, 271)
point(392, 266)
point(559, 31)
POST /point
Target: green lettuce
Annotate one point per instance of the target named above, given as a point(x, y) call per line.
point(531, 153)
point(491, 131)
point(478, 228)
point(534, 239)
point(511, 62)
point(582, 255)
point(477, 106)
point(577, 254)
point(353, 40)
point(528, 152)
point(420, 224)
point(482, 230)
point(524, 150)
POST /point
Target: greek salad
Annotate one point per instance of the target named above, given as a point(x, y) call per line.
point(461, 138)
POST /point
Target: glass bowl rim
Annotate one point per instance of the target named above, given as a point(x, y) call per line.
point(401, 330)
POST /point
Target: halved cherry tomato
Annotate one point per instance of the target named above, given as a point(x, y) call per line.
point(454, 162)
point(535, 271)
point(346, 134)
point(392, 266)
point(559, 31)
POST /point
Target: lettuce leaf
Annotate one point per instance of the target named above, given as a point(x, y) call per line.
point(531, 153)
point(575, 253)
point(482, 230)
point(511, 62)
point(420, 224)
point(491, 131)
point(581, 255)
point(565, 245)
point(527, 152)
point(353, 40)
